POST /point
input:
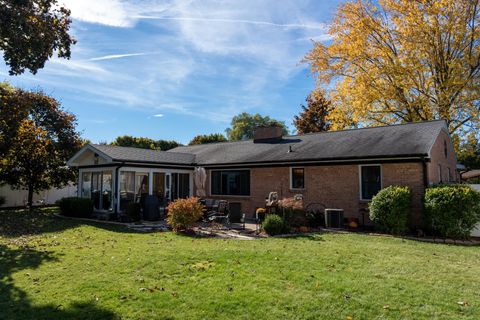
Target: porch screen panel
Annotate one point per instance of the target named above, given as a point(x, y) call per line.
point(127, 188)
point(96, 186)
point(174, 186)
point(159, 186)
point(107, 190)
point(141, 186)
point(86, 185)
point(183, 185)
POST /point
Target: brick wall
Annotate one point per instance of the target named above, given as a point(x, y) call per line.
point(335, 186)
point(442, 164)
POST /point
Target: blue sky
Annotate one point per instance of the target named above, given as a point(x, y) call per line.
point(175, 69)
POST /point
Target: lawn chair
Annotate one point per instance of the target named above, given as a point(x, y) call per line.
point(221, 212)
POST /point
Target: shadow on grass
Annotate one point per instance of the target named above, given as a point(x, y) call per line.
point(303, 236)
point(18, 223)
point(16, 304)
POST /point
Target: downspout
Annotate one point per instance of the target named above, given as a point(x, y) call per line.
point(425, 172)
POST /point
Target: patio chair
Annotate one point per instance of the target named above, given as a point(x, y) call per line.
point(220, 212)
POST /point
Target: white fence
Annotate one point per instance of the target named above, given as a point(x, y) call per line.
point(18, 198)
point(476, 231)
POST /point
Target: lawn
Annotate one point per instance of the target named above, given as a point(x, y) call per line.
point(53, 268)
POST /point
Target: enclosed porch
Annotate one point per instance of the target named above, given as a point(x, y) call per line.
point(112, 189)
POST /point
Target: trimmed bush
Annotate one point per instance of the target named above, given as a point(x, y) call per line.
point(76, 207)
point(452, 210)
point(183, 213)
point(292, 212)
point(390, 209)
point(133, 211)
point(273, 224)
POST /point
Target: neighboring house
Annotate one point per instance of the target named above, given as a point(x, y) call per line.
point(18, 198)
point(472, 176)
point(341, 169)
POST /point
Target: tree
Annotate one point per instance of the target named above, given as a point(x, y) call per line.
point(39, 145)
point(207, 138)
point(469, 152)
point(144, 143)
point(242, 125)
point(396, 61)
point(31, 31)
point(13, 110)
point(314, 117)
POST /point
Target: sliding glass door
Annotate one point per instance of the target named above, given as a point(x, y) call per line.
point(180, 185)
point(98, 186)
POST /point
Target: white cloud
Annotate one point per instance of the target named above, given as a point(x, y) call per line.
point(158, 115)
point(113, 13)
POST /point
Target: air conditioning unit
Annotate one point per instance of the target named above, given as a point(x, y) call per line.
point(334, 218)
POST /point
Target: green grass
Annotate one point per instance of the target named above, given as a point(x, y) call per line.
point(53, 268)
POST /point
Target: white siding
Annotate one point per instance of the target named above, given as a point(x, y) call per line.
point(16, 198)
point(476, 231)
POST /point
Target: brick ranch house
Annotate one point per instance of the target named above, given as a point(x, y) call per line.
point(341, 169)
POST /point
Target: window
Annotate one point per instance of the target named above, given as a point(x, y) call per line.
point(297, 178)
point(440, 178)
point(231, 182)
point(86, 184)
point(100, 189)
point(445, 149)
point(370, 181)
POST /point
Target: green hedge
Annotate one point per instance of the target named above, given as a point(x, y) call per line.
point(452, 210)
point(273, 224)
point(390, 209)
point(76, 207)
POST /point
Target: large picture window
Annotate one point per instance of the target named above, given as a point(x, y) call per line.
point(370, 181)
point(297, 178)
point(230, 182)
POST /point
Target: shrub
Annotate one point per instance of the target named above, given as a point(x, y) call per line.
point(452, 210)
point(390, 209)
point(292, 212)
point(133, 211)
point(273, 224)
point(315, 218)
point(183, 213)
point(76, 207)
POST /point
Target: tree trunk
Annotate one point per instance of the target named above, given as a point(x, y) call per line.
point(30, 198)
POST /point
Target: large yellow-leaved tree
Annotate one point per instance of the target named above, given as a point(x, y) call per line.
point(398, 61)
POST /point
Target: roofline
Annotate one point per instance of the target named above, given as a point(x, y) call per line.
point(402, 158)
point(312, 133)
point(90, 147)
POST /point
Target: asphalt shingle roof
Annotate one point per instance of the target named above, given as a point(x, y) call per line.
point(144, 155)
point(406, 140)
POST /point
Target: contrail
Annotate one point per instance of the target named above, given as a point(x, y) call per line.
point(264, 23)
point(117, 56)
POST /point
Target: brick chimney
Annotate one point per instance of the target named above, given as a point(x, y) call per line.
point(267, 134)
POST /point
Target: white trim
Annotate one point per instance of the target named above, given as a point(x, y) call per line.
point(360, 178)
point(71, 161)
point(291, 179)
point(228, 195)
